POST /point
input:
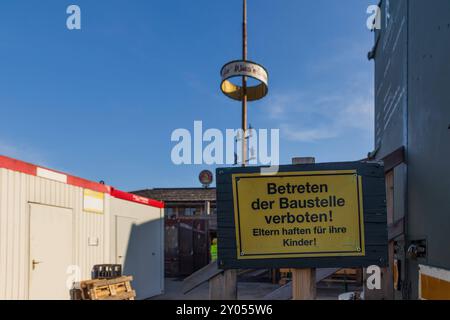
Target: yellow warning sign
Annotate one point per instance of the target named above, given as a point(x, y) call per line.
point(299, 214)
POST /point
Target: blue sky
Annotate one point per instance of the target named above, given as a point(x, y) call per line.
point(102, 102)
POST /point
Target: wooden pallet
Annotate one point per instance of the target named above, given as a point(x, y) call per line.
point(103, 289)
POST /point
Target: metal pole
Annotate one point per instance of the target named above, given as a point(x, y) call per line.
point(304, 280)
point(244, 87)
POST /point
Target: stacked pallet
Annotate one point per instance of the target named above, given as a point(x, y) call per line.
point(105, 289)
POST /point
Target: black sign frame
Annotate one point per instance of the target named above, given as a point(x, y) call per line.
point(375, 220)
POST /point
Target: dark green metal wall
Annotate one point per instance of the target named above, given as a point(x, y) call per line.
point(420, 62)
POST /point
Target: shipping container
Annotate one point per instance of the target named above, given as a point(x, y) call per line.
point(55, 227)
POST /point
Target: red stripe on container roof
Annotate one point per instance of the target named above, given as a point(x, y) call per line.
point(31, 169)
point(17, 165)
point(138, 199)
point(86, 184)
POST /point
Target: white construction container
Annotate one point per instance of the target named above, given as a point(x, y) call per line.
point(55, 227)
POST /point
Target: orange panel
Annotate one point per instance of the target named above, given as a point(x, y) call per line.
point(434, 289)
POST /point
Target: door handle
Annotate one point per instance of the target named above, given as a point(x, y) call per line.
point(35, 263)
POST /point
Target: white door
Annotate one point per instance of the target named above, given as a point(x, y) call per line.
point(138, 250)
point(50, 252)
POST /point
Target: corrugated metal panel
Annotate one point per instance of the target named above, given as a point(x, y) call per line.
point(88, 226)
point(390, 79)
point(13, 235)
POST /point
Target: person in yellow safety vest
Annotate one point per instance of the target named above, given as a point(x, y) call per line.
point(213, 250)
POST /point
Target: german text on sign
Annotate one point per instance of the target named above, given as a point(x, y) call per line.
point(298, 214)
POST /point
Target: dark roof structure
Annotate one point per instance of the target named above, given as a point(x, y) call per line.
point(179, 194)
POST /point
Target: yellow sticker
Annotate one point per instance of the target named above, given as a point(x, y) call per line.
point(93, 201)
point(299, 214)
